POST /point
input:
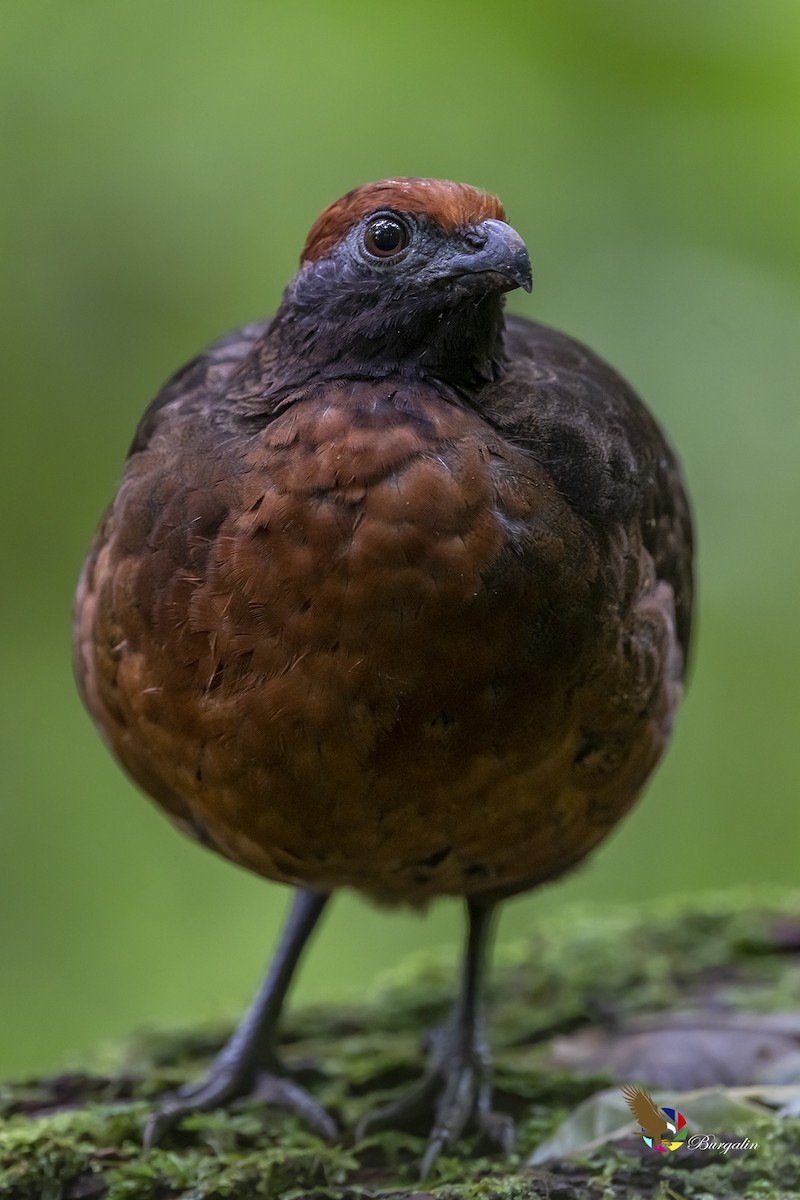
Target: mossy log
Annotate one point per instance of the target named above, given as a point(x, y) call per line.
point(601, 993)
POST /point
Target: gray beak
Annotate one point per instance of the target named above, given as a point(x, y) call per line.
point(499, 250)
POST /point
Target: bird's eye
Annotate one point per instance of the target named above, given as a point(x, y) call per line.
point(385, 237)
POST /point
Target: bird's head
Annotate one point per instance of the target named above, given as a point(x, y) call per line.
point(408, 275)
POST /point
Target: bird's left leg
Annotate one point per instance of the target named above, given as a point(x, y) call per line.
point(455, 1089)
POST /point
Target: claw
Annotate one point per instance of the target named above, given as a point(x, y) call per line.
point(436, 1144)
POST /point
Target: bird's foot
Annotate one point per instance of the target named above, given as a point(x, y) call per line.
point(228, 1079)
point(453, 1094)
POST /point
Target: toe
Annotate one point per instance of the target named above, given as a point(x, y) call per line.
point(418, 1101)
point(453, 1112)
point(225, 1085)
point(284, 1093)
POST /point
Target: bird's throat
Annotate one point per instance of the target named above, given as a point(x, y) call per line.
point(460, 345)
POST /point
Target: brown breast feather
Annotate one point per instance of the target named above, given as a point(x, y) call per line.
point(372, 643)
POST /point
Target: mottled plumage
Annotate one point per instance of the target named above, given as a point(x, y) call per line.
point(395, 594)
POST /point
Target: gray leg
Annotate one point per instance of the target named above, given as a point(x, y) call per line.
point(455, 1089)
point(250, 1058)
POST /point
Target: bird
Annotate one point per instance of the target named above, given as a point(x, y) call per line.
point(654, 1122)
point(394, 595)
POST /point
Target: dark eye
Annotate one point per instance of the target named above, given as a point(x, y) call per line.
point(385, 236)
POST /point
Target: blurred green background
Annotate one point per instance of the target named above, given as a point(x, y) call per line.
point(162, 165)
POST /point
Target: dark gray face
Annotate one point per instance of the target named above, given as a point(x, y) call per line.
point(399, 294)
point(411, 257)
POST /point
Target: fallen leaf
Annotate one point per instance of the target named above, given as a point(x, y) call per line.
point(689, 1050)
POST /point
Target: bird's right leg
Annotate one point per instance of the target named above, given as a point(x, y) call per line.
point(250, 1059)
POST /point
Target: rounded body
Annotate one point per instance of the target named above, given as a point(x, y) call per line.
point(385, 638)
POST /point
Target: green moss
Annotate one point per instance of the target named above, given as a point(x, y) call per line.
point(78, 1136)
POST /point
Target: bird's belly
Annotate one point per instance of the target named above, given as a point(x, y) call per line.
point(354, 773)
point(413, 687)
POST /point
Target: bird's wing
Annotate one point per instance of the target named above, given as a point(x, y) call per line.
point(645, 1110)
point(601, 447)
point(209, 369)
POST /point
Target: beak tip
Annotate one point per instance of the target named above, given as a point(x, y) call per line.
point(522, 275)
